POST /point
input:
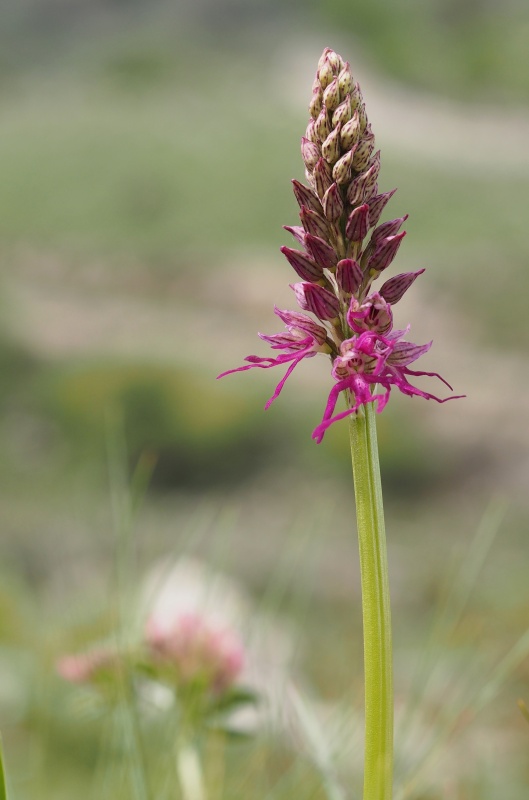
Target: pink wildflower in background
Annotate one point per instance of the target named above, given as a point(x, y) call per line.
point(89, 667)
point(197, 650)
point(340, 260)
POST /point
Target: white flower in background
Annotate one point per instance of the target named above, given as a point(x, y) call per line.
point(205, 621)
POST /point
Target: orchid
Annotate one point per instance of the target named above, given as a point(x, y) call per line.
point(345, 250)
point(304, 339)
point(341, 259)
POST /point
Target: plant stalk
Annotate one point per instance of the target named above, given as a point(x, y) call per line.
point(189, 771)
point(376, 614)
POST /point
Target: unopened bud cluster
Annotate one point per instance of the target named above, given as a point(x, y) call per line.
point(341, 203)
point(344, 250)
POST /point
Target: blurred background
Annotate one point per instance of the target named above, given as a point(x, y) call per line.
point(146, 154)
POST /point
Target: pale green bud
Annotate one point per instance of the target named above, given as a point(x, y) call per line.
point(310, 152)
point(325, 74)
point(343, 168)
point(343, 112)
point(363, 153)
point(321, 125)
point(311, 133)
point(345, 80)
point(321, 177)
point(330, 148)
point(356, 97)
point(335, 61)
point(362, 116)
point(350, 133)
point(371, 176)
point(316, 103)
point(331, 95)
point(323, 57)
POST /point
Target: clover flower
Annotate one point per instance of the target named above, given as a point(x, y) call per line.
point(196, 651)
point(345, 250)
point(99, 664)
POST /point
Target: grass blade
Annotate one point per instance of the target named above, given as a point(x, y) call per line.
point(3, 789)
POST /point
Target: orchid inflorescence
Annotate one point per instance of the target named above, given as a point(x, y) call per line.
point(337, 267)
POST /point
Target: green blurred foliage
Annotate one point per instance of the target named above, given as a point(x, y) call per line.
point(197, 441)
point(469, 50)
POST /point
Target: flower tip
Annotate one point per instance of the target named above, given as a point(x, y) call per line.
point(317, 435)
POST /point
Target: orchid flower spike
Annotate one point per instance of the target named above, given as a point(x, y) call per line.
point(344, 251)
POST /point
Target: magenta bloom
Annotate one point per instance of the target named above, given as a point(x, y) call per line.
point(340, 260)
point(366, 361)
point(303, 339)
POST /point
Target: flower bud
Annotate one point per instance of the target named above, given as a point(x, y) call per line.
point(330, 148)
point(311, 133)
point(371, 174)
point(358, 223)
point(345, 80)
point(363, 154)
point(297, 232)
point(307, 269)
point(342, 112)
point(325, 74)
point(370, 191)
point(310, 152)
point(335, 61)
point(394, 289)
point(356, 97)
point(388, 228)
point(319, 301)
point(342, 170)
point(323, 57)
point(333, 204)
point(355, 191)
point(321, 125)
point(362, 116)
point(322, 253)
point(306, 196)
point(310, 178)
point(331, 95)
point(350, 132)
point(314, 223)
point(322, 177)
point(385, 251)
point(349, 275)
point(377, 204)
point(316, 103)
point(374, 314)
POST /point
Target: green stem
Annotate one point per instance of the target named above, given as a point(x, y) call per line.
point(189, 771)
point(378, 760)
